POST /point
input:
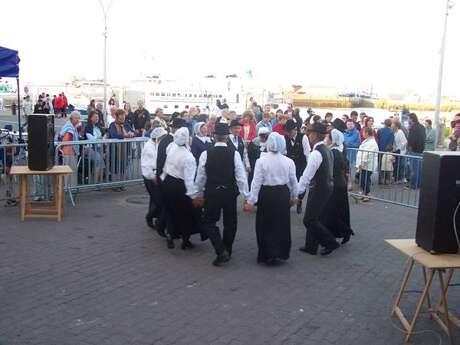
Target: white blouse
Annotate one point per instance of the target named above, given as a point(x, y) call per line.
point(181, 164)
point(273, 169)
point(149, 160)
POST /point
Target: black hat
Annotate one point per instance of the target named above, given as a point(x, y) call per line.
point(177, 122)
point(221, 129)
point(234, 123)
point(339, 125)
point(290, 124)
point(318, 128)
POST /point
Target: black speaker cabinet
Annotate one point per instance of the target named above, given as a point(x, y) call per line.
point(40, 141)
point(439, 196)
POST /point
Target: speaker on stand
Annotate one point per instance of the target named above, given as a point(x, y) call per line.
point(438, 219)
point(40, 141)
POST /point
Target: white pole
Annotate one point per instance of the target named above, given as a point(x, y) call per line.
point(105, 11)
point(449, 5)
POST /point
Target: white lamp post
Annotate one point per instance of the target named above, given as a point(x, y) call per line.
point(449, 5)
point(105, 11)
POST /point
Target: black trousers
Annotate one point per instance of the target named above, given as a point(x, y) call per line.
point(317, 232)
point(155, 207)
point(217, 201)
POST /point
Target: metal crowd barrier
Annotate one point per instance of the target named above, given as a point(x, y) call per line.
point(96, 165)
point(384, 176)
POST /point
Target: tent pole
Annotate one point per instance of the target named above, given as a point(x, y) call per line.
point(19, 110)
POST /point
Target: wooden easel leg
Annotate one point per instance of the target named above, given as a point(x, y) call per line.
point(409, 267)
point(60, 193)
point(23, 195)
point(428, 299)
point(449, 278)
point(445, 305)
point(420, 303)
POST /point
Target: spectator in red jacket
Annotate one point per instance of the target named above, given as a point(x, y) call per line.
point(279, 127)
point(65, 104)
point(248, 127)
point(58, 105)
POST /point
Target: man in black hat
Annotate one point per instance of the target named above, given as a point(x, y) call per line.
point(298, 149)
point(219, 177)
point(319, 177)
point(235, 142)
point(161, 159)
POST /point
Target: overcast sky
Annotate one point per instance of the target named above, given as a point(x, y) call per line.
point(392, 44)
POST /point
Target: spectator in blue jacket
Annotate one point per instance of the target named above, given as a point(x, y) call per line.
point(351, 142)
point(385, 138)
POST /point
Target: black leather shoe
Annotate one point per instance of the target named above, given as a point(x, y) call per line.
point(150, 223)
point(347, 237)
point(221, 259)
point(307, 250)
point(170, 243)
point(329, 250)
point(187, 245)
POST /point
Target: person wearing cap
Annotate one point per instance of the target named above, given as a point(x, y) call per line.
point(235, 142)
point(220, 178)
point(200, 142)
point(336, 215)
point(148, 167)
point(298, 149)
point(161, 159)
point(256, 148)
point(319, 177)
point(178, 189)
point(274, 190)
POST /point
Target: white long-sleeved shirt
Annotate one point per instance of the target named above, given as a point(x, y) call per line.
point(367, 157)
point(149, 160)
point(234, 141)
point(181, 164)
point(400, 142)
point(273, 169)
point(314, 161)
point(240, 173)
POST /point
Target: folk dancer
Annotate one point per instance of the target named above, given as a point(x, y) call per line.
point(319, 177)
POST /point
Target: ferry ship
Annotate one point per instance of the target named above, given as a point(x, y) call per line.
point(176, 95)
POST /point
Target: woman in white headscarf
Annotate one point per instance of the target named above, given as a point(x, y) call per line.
point(178, 189)
point(336, 215)
point(274, 189)
point(201, 141)
point(149, 168)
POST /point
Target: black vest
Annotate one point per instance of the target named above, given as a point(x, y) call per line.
point(295, 152)
point(240, 147)
point(220, 169)
point(340, 181)
point(323, 179)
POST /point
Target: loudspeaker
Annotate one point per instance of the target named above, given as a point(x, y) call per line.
point(439, 197)
point(40, 141)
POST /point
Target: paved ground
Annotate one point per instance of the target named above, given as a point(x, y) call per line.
point(101, 277)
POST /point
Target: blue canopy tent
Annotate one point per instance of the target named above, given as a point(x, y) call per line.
point(9, 68)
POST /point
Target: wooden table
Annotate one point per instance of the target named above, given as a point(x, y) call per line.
point(42, 209)
point(442, 264)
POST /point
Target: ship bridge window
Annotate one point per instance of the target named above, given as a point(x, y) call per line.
point(165, 106)
point(195, 95)
point(174, 95)
point(186, 107)
point(176, 107)
point(162, 93)
point(220, 96)
point(190, 95)
point(168, 94)
point(157, 93)
point(178, 95)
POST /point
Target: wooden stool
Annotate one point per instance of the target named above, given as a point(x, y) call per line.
point(432, 265)
point(42, 209)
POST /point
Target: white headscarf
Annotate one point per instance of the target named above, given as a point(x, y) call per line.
point(276, 143)
point(196, 128)
point(181, 137)
point(158, 133)
point(337, 139)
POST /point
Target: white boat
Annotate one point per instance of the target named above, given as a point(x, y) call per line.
point(176, 95)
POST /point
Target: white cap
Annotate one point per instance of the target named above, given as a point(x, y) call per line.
point(158, 133)
point(263, 130)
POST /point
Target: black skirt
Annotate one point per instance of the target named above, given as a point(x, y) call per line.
point(336, 214)
point(273, 223)
point(184, 218)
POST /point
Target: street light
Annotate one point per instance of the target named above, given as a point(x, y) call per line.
point(449, 5)
point(105, 11)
